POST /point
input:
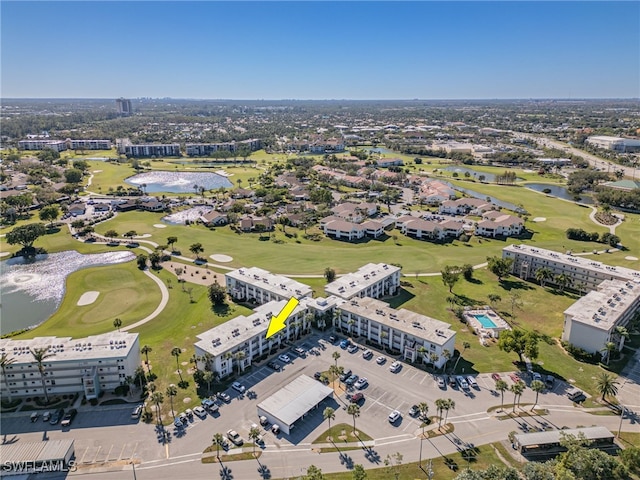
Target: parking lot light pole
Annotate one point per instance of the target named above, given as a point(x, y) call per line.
point(621, 417)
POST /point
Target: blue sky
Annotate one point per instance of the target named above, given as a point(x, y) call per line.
point(320, 50)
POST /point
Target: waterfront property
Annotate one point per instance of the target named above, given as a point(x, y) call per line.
point(256, 285)
point(591, 322)
point(86, 366)
point(372, 280)
point(409, 333)
point(486, 323)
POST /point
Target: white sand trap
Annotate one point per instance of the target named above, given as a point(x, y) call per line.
point(4, 254)
point(540, 219)
point(145, 235)
point(97, 171)
point(159, 225)
point(221, 258)
point(629, 257)
point(88, 298)
point(527, 171)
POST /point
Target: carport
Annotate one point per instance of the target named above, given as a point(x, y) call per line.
point(36, 457)
point(293, 402)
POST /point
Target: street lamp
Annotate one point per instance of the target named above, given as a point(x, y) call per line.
point(621, 417)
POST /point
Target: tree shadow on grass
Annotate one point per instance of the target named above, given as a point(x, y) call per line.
point(401, 298)
point(509, 285)
point(222, 310)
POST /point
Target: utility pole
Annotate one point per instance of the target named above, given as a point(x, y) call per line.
point(621, 417)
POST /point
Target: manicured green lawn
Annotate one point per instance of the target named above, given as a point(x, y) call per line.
point(336, 432)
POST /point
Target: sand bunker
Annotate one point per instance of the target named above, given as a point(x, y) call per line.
point(146, 235)
point(629, 257)
point(221, 258)
point(159, 225)
point(540, 219)
point(88, 298)
point(4, 254)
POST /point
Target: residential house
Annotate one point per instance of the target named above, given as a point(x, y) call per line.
point(499, 224)
point(214, 218)
point(341, 229)
point(250, 223)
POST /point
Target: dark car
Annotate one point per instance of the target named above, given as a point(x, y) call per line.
point(57, 416)
point(274, 366)
point(68, 418)
point(351, 380)
point(356, 397)
point(333, 338)
point(414, 411)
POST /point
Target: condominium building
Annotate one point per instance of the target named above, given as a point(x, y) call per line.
point(409, 333)
point(150, 150)
point(124, 106)
point(372, 280)
point(201, 149)
point(585, 274)
point(221, 345)
point(87, 366)
point(260, 286)
point(41, 144)
point(590, 323)
point(89, 144)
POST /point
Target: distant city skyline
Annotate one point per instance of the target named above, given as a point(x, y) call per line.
point(320, 50)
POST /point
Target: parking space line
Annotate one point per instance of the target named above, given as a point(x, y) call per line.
point(425, 377)
point(95, 457)
point(83, 454)
point(121, 451)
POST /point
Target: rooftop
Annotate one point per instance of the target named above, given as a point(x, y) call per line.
point(435, 331)
point(277, 284)
point(554, 436)
point(352, 283)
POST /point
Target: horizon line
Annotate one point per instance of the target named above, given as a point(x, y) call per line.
point(326, 99)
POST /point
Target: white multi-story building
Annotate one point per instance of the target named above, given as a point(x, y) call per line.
point(89, 144)
point(409, 333)
point(221, 345)
point(88, 365)
point(260, 286)
point(585, 274)
point(199, 149)
point(372, 280)
point(617, 144)
point(39, 144)
point(590, 323)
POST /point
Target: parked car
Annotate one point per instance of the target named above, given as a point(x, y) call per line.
point(263, 420)
point(496, 377)
point(381, 360)
point(351, 380)
point(549, 381)
point(356, 397)
point(178, 423)
point(57, 416)
point(472, 382)
point(238, 387)
point(463, 383)
point(442, 383)
point(367, 354)
point(536, 376)
point(353, 348)
point(452, 381)
point(346, 374)
point(135, 414)
point(299, 350)
point(199, 411)
point(284, 358)
point(394, 416)
point(34, 416)
point(183, 418)
point(275, 429)
point(361, 383)
point(395, 367)
point(574, 394)
point(274, 366)
point(514, 378)
point(224, 397)
point(333, 338)
point(235, 437)
point(189, 413)
point(344, 344)
point(68, 418)
point(46, 416)
point(414, 411)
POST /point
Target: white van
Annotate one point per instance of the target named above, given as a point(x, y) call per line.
point(574, 393)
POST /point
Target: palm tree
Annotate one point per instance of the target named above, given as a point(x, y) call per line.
point(542, 275)
point(537, 386)
point(218, 440)
point(337, 314)
point(329, 414)
point(606, 384)
point(5, 361)
point(623, 333)
point(40, 355)
point(502, 386)
point(609, 348)
point(146, 350)
point(208, 377)
point(354, 410)
point(447, 355)
point(423, 408)
point(449, 405)
point(517, 389)
point(157, 398)
point(117, 323)
point(562, 280)
point(239, 356)
point(465, 345)
point(433, 358)
point(336, 356)
point(440, 403)
point(175, 351)
point(421, 351)
point(171, 392)
point(196, 249)
point(254, 434)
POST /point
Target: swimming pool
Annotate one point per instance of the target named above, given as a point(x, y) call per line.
point(484, 320)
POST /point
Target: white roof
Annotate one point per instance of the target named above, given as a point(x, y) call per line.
point(277, 284)
point(295, 399)
point(350, 284)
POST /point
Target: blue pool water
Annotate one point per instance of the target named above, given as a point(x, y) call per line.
point(485, 321)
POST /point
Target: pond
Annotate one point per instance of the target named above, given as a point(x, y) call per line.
point(560, 192)
point(488, 177)
point(378, 150)
point(500, 203)
point(32, 291)
point(178, 182)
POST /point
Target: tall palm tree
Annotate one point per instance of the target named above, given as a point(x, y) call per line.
point(239, 356)
point(606, 384)
point(218, 440)
point(117, 323)
point(502, 386)
point(146, 350)
point(623, 333)
point(537, 386)
point(447, 356)
point(40, 355)
point(157, 398)
point(336, 356)
point(354, 410)
point(449, 405)
point(562, 280)
point(422, 352)
point(254, 434)
point(176, 351)
point(337, 315)
point(329, 414)
point(423, 408)
point(5, 361)
point(542, 275)
point(517, 389)
point(171, 392)
point(440, 403)
point(433, 358)
point(609, 348)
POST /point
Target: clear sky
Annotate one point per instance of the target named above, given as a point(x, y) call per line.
point(320, 50)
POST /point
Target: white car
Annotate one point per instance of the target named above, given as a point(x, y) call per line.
point(395, 367)
point(380, 360)
point(394, 416)
point(199, 411)
point(367, 354)
point(361, 383)
point(238, 387)
point(284, 358)
point(353, 348)
point(472, 382)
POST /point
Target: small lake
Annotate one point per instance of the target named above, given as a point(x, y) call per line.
point(488, 177)
point(378, 150)
point(474, 194)
point(560, 192)
point(32, 291)
point(178, 182)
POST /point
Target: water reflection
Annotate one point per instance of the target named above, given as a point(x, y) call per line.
point(560, 192)
point(178, 182)
point(43, 281)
